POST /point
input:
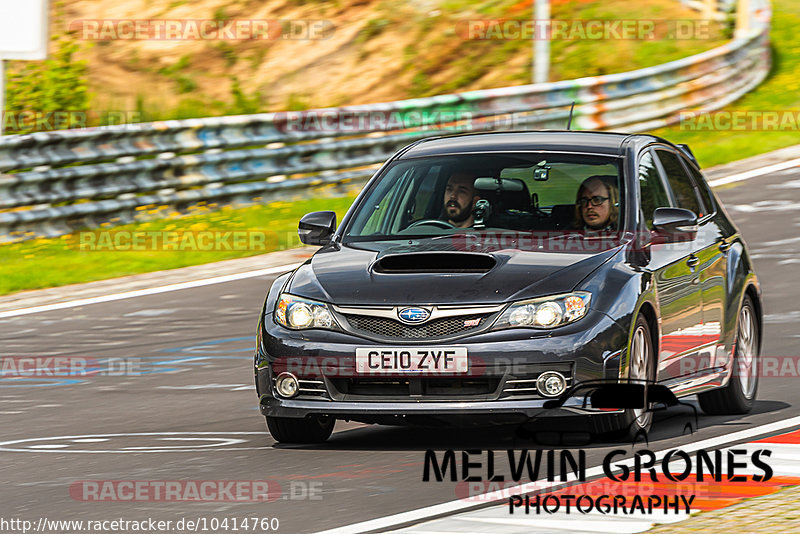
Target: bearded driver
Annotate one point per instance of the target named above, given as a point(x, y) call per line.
point(460, 197)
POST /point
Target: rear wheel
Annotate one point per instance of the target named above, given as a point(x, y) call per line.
point(313, 429)
point(739, 395)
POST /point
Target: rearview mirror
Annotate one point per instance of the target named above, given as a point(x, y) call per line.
point(316, 228)
point(674, 224)
point(494, 184)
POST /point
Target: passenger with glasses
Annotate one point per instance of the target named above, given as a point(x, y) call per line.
point(597, 204)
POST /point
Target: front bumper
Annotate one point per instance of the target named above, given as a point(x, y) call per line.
point(503, 366)
point(274, 407)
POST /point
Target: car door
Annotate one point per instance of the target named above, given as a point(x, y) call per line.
point(713, 255)
point(677, 277)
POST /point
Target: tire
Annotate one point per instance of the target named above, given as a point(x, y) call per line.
point(739, 395)
point(313, 429)
point(636, 423)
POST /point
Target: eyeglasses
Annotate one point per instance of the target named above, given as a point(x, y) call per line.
point(595, 200)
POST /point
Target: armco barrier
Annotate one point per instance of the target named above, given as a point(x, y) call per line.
point(54, 182)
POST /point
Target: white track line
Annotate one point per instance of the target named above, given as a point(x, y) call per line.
point(148, 291)
point(262, 272)
point(448, 508)
point(755, 172)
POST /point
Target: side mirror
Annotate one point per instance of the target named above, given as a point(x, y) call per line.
point(316, 228)
point(673, 225)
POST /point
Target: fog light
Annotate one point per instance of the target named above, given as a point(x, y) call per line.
point(286, 385)
point(551, 384)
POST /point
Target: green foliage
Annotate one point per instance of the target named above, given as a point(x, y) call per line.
point(56, 84)
point(373, 28)
point(228, 53)
point(258, 57)
point(185, 84)
point(296, 102)
point(420, 86)
point(243, 104)
point(220, 14)
point(177, 67)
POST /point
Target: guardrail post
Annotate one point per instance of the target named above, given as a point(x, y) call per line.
point(709, 9)
point(2, 95)
point(743, 19)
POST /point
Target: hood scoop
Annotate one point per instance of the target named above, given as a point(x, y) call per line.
point(434, 262)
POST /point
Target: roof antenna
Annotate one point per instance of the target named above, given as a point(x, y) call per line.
point(569, 122)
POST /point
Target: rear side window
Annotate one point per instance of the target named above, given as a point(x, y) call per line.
point(654, 195)
point(679, 182)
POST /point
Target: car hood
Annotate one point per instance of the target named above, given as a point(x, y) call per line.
point(430, 273)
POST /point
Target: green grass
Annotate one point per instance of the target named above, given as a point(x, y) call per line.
point(780, 91)
point(42, 263)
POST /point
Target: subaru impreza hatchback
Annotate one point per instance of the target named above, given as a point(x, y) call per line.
point(478, 276)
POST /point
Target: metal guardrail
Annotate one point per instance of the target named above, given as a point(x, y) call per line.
point(52, 183)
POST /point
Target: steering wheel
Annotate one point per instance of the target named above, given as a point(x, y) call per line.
point(433, 222)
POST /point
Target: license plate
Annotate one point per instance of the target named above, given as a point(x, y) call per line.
point(379, 360)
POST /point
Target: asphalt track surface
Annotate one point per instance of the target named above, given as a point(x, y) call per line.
point(189, 371)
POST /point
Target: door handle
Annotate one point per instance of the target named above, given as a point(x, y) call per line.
point(692, 261)
point(724, 246)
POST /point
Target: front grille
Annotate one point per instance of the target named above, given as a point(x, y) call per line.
point(438, 328)
point(400, 388)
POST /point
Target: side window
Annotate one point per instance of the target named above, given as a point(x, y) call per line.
point(702, 190)
point(679, 182)
point(378, 217)
point(652, 188)
point(428, 196)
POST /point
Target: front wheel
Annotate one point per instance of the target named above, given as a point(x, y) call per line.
point(641, 370)
point(635, 423)
point(313, 429)
point(739, 395)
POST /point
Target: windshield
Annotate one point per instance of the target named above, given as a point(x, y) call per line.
point(532, 192)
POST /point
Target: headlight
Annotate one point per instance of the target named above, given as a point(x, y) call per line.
point(546, 312)
point(298, 313)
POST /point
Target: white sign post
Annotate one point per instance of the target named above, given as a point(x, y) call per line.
point(541, 43)
point(23, 35)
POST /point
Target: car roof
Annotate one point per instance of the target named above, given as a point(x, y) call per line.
point(607, 143)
